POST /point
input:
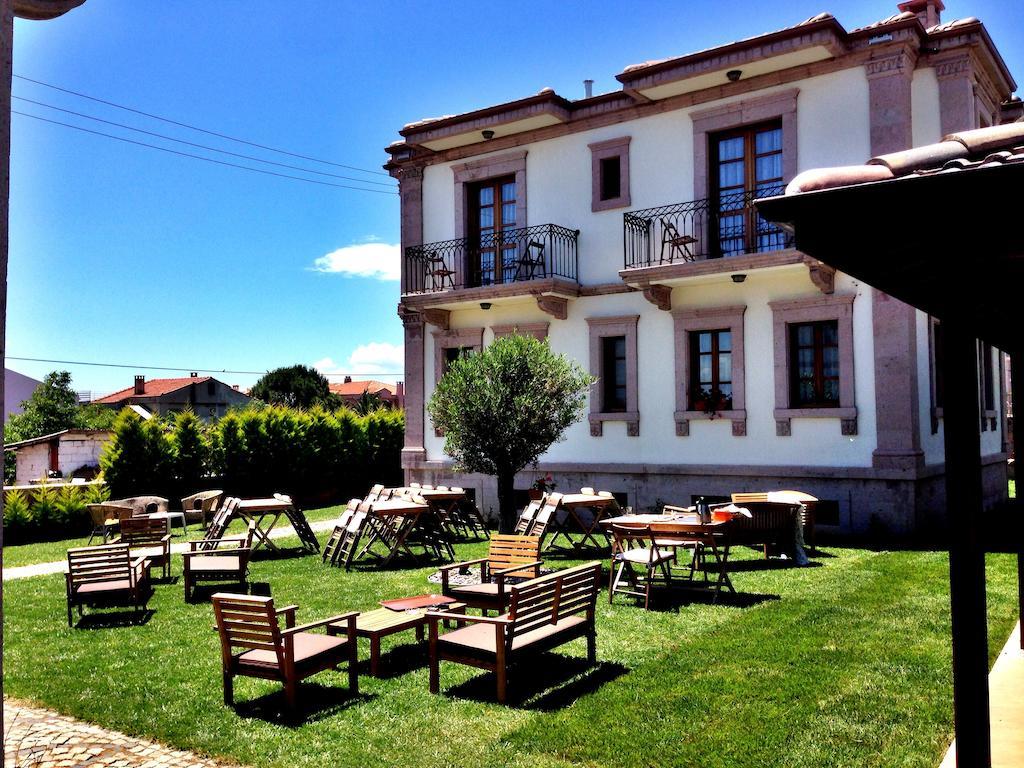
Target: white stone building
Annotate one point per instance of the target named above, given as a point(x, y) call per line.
point(621, 228)
point(71, 452)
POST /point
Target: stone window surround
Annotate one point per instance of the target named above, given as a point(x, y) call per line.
point(508, 164)
point(758, 109)
point(463, 337)
point(601, 327)
point(539, 331)
point(834, 307)
point(687, 321)
point(602, 150)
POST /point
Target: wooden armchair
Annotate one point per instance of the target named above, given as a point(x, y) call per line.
point(507, 555)
point(201, 505)
point(543, 613)
point(224, 559)
point(148, 534)
point(105, 575)
point(253, 644)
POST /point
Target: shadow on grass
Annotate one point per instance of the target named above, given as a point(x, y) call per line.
point(126, 617)
point(680, 596)
point(316, 702)
point(291, 553)
point(549, 682)
point(399, 660)
point(775, 564)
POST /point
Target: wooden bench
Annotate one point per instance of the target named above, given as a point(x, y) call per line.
point(105, 575)
point(543, 613)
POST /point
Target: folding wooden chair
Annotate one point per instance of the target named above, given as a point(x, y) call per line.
point(349, 545)
point(525, 521)
point(675, 242)
point(635, 545)
point(330, 553)
point(253, 644)
point(546, 516)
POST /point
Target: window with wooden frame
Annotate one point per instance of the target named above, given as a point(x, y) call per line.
point(710, 386)
point(492, 253)
point(814, 357)
point(987, 384)
point(613, 364)
point(610, 171)
point(613, 374)
point(746, 163)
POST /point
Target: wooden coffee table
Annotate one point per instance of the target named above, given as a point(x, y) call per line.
point(382, 622)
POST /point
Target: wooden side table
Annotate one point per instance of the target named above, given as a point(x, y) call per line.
point(381, 622)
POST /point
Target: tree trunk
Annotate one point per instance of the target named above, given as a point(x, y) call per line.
point(506, 501)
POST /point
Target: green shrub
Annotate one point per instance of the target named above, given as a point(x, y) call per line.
point(97, 493)
point(138, 459)
point(70, 511)
point(190, 453)
point(45, 511)
point(17, 517)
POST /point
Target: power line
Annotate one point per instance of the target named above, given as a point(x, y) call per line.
point(196, 370)
point(196, 128)
point(203, 146)
point(200, 157)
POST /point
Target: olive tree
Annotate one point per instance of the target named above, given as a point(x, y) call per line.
point(502, 408)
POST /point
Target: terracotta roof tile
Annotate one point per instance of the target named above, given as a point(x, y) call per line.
point(966, 150)
point(153, 388)
point(356, 388)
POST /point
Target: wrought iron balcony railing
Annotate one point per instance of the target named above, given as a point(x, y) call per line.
point(508, 256)
point(712, 228)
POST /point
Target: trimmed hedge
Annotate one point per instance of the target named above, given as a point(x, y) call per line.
point(314, 456)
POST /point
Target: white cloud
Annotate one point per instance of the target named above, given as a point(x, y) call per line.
point(372, 259)
point(377, 357)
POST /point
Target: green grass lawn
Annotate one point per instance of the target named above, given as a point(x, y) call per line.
point(843, 664)
point(49, 551)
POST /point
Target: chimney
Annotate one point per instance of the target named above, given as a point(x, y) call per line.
point(234, 387)
point(348, 379)
point(588, 88)
point(400, 394)
point(928, 11)
point(140, 385)
point(194, 375)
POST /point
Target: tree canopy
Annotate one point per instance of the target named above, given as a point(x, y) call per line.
point(52, 407)
point(297, 386)
point(502, 408)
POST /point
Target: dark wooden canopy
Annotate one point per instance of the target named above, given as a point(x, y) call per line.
point(948, 240)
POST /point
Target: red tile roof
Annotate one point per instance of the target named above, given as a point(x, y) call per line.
point(356, 388)
point(979, 148)
point(153, 388)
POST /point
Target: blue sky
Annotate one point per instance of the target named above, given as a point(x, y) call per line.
point(124, 254)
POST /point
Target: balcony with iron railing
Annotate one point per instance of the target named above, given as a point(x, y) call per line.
point(700, 230)
point(502, 263)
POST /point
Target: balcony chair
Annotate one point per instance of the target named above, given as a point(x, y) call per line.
point(677, 243)
point(531, 264)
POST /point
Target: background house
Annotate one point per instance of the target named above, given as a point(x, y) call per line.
point(71, 452)
point(204, 395)
point(621, 228)
point(17, 389)
point(351, 391)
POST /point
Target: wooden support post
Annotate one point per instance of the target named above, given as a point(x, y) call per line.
point(1017, 395)
point(966, 550)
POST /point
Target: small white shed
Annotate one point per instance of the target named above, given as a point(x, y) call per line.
point(68, 452)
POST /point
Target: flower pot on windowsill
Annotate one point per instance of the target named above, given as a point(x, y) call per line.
point(534, 494)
